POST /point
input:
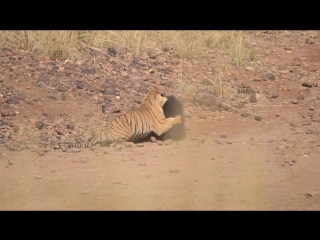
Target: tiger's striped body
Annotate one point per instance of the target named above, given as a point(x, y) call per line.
point(136, 124)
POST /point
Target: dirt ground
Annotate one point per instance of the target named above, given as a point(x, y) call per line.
point(226, 162)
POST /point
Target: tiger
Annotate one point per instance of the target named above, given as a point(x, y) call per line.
point(137, 124)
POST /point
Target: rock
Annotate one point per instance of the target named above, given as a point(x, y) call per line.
point(128, 144)
point(100, 100)
point(212, 108)
point(76, 150)
point(12, 101)
point(41, 84)
point(226, 106)
point(174, 171)
point(112, 52)
point(80, 85)
point(242, 88)
point(257, 118)
point(307, 84)
point(89, 114)
point(52, 96)
point(202, 116)
point(19, 95)
point(284, 71)
point(269, 76)
point(41, 153)
point(292, 124)
point(312, 194)
point(116, 182)
point(70, 126)
point(204, 97)
point(10, 162)
point(60, 132)
point(249, 68)
point(219, 142)
point(223, 135)
point(39, 125)
point(151, 54)
point(168, 142)
point(62, 89)
point(255, 97)
point(245, 114)
point(88, 71)
point(38, 177)
point(295, 101)
point(63, 96)
point(172, 108)
point(165, 49)
point(300, 97)
point(274, 95)
point(153, 139)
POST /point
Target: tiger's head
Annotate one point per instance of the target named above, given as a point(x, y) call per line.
point(155, 96)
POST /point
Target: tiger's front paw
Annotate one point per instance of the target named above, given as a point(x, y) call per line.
point(178, 119)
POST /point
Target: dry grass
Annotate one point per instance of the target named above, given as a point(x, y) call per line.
point(217, 85)
point(187, 44)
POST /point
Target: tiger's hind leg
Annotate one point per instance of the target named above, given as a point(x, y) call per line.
point(160, 129)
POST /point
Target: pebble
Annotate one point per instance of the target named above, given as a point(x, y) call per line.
point(41, 153)
point(257, 118)
point(244, 114)
point(174, 171)
point(39, 124)
point(219, 142)
point(38, 177)
point(223, 135)
point(202, 116)
point(249, 68)
point(312, 194)
point(116, 182)
point(168, 142)
point(70, 126)
point(10, 162)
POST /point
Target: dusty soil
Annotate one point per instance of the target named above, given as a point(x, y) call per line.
point(257, 151)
